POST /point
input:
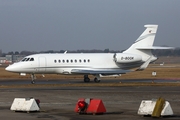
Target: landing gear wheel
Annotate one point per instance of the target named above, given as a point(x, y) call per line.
point(96, 80)
point(86, 78)
point(32, 82)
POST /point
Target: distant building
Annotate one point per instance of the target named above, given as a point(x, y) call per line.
point(14, 58)
point(17, 58)
point(2, 59)
point(8, 58)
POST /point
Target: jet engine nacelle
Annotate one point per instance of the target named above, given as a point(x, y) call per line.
point(126, 58)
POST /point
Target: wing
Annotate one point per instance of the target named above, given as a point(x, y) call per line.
point(100, 71)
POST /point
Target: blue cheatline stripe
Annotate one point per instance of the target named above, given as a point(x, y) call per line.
point(145, 36)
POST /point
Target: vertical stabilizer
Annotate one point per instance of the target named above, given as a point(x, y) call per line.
point(147, 37)
point(145, 41)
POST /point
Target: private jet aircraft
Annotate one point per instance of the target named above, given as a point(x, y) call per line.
point(136, 57)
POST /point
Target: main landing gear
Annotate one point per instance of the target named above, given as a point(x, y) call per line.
point(86, 78)
point(96, 79)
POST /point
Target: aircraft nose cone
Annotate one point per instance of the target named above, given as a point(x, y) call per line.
point(14, 68)
point(11, 68)
point(8, 68)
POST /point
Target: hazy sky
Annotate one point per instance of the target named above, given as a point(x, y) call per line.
point(40, 25)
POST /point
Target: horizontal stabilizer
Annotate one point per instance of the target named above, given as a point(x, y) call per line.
point(100, 71)
point(153, 48)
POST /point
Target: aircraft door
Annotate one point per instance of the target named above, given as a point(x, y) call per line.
point(42, 64)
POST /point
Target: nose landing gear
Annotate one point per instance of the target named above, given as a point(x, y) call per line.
point(33, 77)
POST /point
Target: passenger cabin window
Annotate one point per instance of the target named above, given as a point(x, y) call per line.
point(63, 61)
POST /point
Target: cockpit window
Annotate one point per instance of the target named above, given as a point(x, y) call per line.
point(24, 59)
point(27, 59)
point(32, 59)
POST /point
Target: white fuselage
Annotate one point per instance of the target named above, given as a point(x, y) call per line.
point(64, 63)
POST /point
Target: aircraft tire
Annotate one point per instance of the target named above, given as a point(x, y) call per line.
point(96, 80)
point(86, 80)
point(32, 82)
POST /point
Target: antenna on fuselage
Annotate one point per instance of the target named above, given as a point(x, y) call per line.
point(65, 52)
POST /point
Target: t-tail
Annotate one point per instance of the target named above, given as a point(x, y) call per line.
point(143, 46)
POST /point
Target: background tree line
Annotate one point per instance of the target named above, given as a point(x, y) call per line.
point(172, 52)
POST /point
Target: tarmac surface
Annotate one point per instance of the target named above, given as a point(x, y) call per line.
point(59, 97)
